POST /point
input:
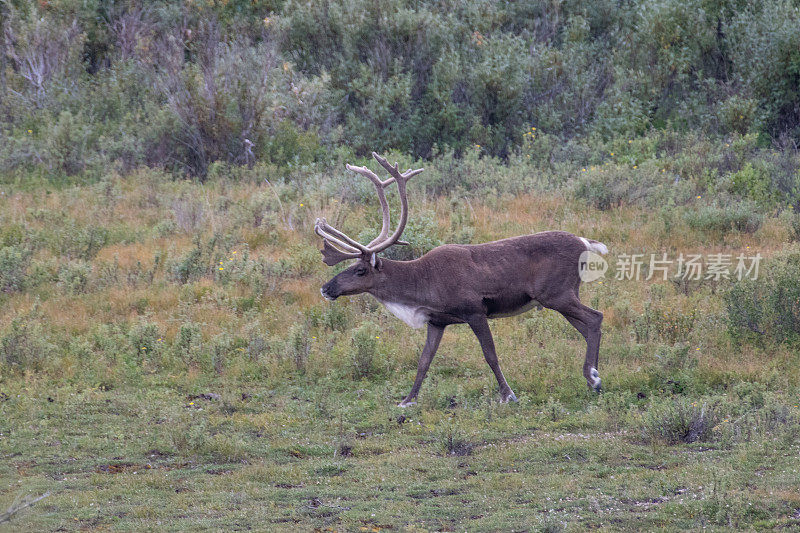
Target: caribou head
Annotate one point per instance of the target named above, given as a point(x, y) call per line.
point(365, 274)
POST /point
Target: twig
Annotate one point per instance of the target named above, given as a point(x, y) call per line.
point(19, 506)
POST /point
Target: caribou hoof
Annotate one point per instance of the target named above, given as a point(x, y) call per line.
point(508, 397)
point(595, 381)
point(406, 403)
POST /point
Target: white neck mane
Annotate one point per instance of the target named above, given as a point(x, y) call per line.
point(413, 316)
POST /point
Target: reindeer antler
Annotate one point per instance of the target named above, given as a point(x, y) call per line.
point(348, 248)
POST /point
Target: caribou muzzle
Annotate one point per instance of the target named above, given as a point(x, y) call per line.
point(327, 293)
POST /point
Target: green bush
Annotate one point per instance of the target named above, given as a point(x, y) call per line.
point(67, 144)
point(794, 227)
point(669, 325)
point(335, 317)
point(188, 343)
point(612, 185)
point(74, 276)
point(199, 260)
point(364, 352)
point(754, 182)
point(451, 439)
point(24, 344)
point(146, 342)
point(675, 420)
point(14, 263)
point(283, 85)
point(741, 217)
point(298, 346)
point(76, 241)
point(767, 307)
point(765, 49)
point(674, 370)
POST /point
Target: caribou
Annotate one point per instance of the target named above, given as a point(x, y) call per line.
point(464, 284)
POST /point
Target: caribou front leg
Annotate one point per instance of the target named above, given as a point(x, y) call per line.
point(431, 345)
point(480, 326)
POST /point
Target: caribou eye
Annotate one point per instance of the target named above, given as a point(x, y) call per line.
point(361, 271)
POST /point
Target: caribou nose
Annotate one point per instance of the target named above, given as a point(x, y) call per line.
point(325, 294)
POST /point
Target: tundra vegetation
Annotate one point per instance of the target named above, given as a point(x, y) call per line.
point(167, 362)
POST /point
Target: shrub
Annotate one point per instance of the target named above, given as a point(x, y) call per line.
point(675, 420)
point(67, 144)
point(74, 276)
point(554, 410)
point(165, 228)
point(669, 325)
point(335, 317)
point(257, 345)
point(741, 217)
point(196, 262)
point(674, 370)
point(189, 266)
point(450, 439)
point(235, 100)
point(753, 182)
point(221, 347)
point(188, 343)
point(364, 351)
point(794, 227)
point(79, 242)
point(188, 435)
point(299, 346)
point(145, 341)
point(11, 235)
point(764, 47)
point(611, 185)
point(14, 263)
point(769, 306)
point(761, 417)
point(189, 214)
point(24, 345)
point(44, 49)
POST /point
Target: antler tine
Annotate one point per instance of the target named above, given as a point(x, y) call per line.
point(341, 245)
point(379, 186)
point(333, 235)
point(394, 170)
point(401, 180)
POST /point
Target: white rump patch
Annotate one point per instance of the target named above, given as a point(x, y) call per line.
point(596, 247)
point(413, 316)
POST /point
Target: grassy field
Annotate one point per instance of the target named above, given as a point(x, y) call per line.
point(168, 364)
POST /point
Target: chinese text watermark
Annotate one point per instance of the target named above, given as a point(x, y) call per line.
point(645, 267)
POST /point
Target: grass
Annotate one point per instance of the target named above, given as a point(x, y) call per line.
point(151, 458)
point(178, 378)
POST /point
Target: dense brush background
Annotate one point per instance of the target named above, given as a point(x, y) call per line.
point(166, 361)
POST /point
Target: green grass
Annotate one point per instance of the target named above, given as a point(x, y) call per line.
point(153, 379)
point(306, 455)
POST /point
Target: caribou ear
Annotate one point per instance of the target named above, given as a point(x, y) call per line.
point(331, 256)
point(376, 262)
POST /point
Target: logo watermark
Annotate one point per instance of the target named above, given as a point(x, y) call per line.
point(645, 267)
point(591, 266)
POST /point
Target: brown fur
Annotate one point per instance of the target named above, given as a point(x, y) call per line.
point(469, 284)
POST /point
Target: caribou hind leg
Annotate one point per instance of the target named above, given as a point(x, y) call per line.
point(431, 345)
point(480, 326)
point(587, 321)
